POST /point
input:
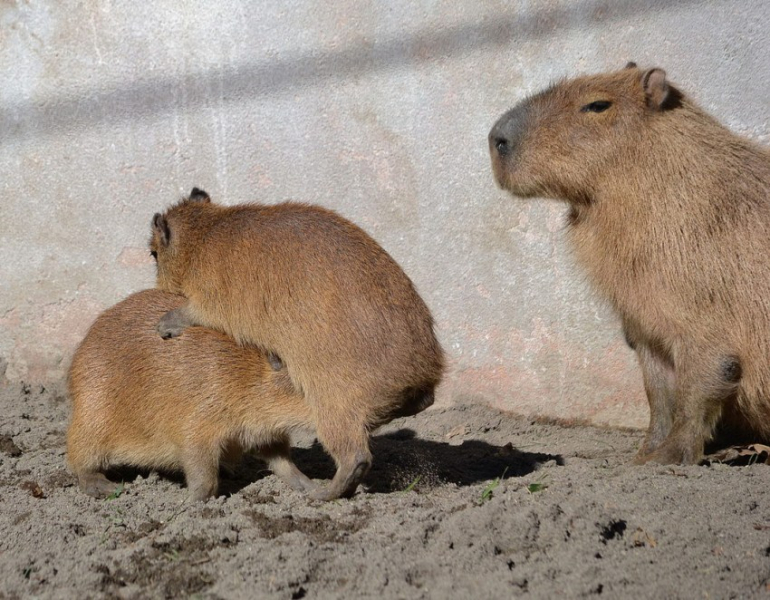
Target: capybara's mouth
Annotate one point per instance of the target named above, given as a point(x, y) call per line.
point(508, 182)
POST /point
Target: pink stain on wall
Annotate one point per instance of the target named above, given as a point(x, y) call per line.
point(131, 256)
point(44, 350)
point(550, 376)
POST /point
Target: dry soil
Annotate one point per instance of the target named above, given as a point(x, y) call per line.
point(462, 502)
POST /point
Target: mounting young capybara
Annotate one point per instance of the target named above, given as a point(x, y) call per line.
point(304, 283)
point(670, 215)
point(187, 403)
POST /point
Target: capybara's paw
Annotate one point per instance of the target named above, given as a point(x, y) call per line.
point(672, 452)
point(97, 485)
point(202, 492)
point(171, 325)
point(301, 483)
point(641, 456)
point(201, 473)
point(345, 481)
point(324, 493)
point(648, 447)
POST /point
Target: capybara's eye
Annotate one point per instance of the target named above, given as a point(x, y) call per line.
point(597, 107)
point(154, 254)
point(502, 146)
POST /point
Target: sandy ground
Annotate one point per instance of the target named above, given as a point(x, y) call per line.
point(462, 502)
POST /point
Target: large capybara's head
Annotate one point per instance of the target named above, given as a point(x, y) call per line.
point(170, 243)
point(562, 141)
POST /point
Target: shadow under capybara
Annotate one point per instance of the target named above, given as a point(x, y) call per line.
point(670, 215)
point(186, 403)
point(303, 282)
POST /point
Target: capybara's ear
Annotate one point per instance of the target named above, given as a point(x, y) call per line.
point(656, 88)
point(198, 195)
point(630, 65)
point(160, 227)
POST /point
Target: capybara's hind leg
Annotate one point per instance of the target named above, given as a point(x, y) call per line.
point(659, 383)
point(278, 457)
point(231, 456)
point(95, 484)
point(347, 440)
point(201, 470)
point(704, 383)
point(413, 401)
point(87, 457)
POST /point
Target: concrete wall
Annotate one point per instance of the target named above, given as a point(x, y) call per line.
point(109, 111)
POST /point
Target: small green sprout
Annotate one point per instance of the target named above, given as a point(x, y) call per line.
point(492, 486)
point(410, 487)
point(116, 494)
point(172, 555)
point(538, 486)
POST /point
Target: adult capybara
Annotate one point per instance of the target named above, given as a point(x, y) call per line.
point(187, 403)
point(670, 215)
point(304, 283)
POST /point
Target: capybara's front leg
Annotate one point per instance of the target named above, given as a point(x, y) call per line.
point(95, 484)
point(201, 470)
point(174, 322)
point(704, 382)
point(347, 440)
point(659, 384)
point(351, 469)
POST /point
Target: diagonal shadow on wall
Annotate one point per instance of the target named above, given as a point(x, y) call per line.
point(158, 96)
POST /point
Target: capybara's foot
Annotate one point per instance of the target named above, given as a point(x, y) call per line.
point(299, 481)
point(324, 493)
point(650, 444)
point(674, 451)
point(173, 323)
point(345, 481)
point(201, 470)
point(202, 490)
point(285, 469)
point(96, 485)
point(641, 457)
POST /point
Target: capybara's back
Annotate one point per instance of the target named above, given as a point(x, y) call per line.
point(185, 403)
point(670, 215)
point(303, 282)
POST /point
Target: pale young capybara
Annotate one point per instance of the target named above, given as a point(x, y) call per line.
point(310, 286)
point(670, 216)
point(186, 403)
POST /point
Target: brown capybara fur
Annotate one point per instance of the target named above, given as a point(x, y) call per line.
point(185, 403)
point(304, 283)
point(670, 215)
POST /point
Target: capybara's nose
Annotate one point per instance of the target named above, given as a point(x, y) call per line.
point(505, 135)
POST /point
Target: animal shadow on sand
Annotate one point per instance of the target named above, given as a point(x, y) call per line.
point(400, 459)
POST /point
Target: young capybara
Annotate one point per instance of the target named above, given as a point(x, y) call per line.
point(187, 403)
point(670, 215)
point(304, 283)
